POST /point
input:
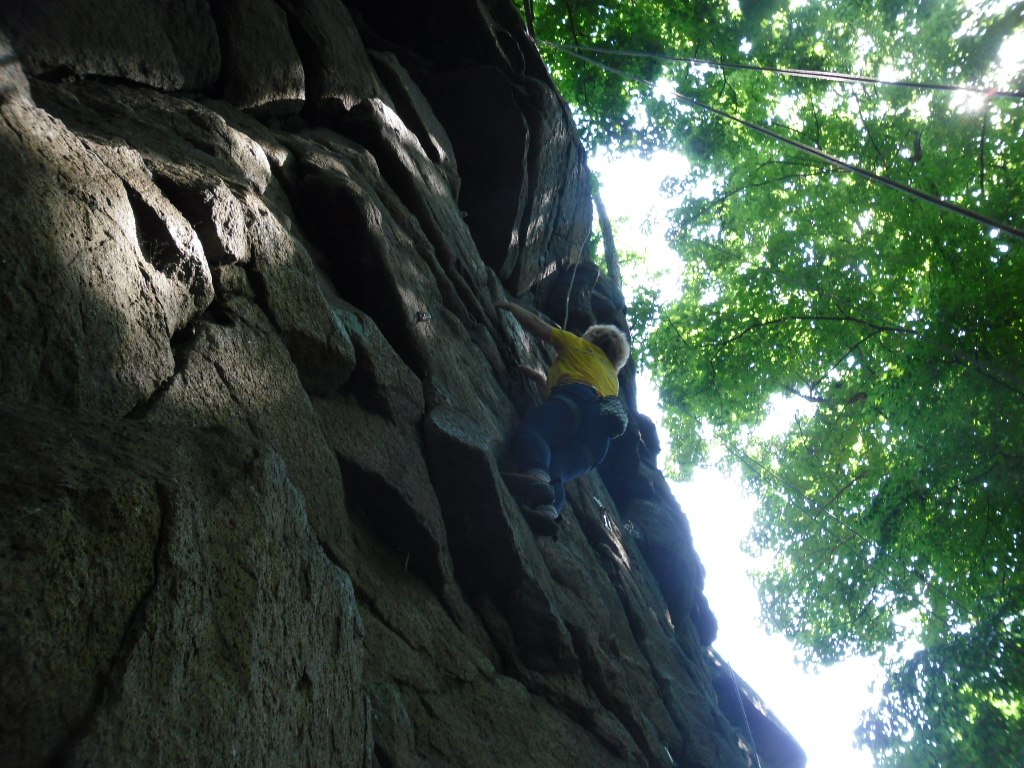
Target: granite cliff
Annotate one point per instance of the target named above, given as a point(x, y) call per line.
point(254, 397)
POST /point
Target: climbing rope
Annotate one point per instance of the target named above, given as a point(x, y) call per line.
point(746, 721)
point(568, 294)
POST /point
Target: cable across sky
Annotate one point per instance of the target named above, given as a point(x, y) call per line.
point(812, 74)
point(877, 178)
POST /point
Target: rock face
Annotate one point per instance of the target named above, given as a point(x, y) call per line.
point(254, 397)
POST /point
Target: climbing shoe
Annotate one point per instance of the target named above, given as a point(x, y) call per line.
point(530, 489)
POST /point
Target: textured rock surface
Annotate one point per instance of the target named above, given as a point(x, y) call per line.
point(254, 398)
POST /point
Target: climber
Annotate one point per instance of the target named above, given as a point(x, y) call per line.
point(568, 434)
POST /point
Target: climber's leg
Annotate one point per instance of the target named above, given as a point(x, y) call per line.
point(545, 427)
point(585, 451)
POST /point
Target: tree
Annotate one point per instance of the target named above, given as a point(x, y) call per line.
point(614, 112)
point(896, 509)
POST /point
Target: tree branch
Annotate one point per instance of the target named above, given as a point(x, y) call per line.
point(845, 355)
point(719, 201)
point(981, 148)
point(802, 396)
point(611, 255)
point(877, 327)
point(882, 158)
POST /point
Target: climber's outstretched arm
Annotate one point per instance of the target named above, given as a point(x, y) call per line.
point(533, 324)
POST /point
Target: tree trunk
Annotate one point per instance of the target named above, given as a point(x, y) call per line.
point(610, 254)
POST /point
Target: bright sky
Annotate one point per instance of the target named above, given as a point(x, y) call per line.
point(820, 708)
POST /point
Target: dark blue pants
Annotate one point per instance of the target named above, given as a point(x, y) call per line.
point(563, 436)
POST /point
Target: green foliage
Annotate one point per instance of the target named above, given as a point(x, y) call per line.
point(613, 111)
point(895, 508)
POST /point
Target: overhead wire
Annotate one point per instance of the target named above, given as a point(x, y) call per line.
point(815, 152)
point(812, 74)
point(766, 473)
point(763, 471)
point(978, 367)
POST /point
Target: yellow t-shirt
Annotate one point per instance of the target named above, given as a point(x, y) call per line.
point(581, 361)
